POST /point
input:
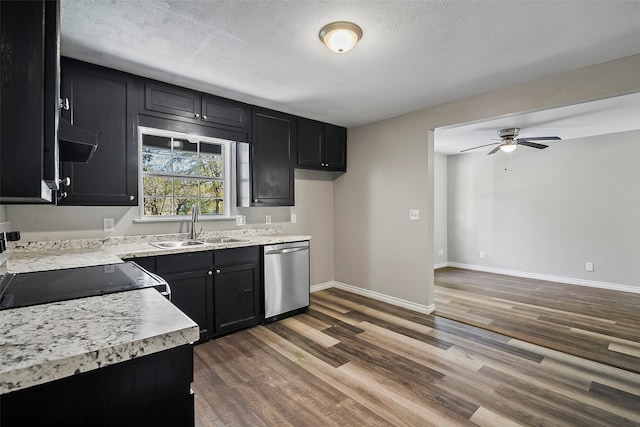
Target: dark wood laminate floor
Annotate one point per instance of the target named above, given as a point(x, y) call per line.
point(353, 361)
point(592, 323)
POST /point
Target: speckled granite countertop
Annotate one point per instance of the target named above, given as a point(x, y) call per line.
point(46, 342)
point(55, 255)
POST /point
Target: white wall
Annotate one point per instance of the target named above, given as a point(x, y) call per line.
point(313, 209)
point(556, 209)
point(440, 230)
point(391, 171)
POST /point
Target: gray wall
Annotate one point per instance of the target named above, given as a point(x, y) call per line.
point(391, 171)
point(440, 219)
point(556, 209)
point(313, 209)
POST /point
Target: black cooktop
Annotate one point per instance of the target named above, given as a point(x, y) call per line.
point(25, 289)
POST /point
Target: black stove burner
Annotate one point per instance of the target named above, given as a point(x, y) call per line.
point(25, 289)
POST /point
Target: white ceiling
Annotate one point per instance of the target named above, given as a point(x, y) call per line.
point(414, 54)
point(612, 115)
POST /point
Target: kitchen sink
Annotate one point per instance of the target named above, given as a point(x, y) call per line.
point(177, 244)
point(223, 240)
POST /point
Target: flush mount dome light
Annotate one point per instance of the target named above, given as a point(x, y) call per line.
point(340, 37)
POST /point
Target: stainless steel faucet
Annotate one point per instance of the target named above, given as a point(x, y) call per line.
point(194, 219)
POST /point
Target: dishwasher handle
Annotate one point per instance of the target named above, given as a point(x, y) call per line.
point(286, 251)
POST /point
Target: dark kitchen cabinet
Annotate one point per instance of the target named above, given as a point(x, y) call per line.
point(219, 290)
point(176, 103)
point(152, 390)
point(236, 289)
point(321, 146)
point(273, 154)
point(190, 277)
point(101, 101)
point(29, 70)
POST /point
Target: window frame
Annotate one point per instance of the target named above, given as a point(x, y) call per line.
point(228, 157)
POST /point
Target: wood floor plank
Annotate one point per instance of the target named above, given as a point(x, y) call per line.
point(366, 364)
point(596, 324)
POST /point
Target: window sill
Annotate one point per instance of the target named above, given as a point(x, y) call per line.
point(185, 219)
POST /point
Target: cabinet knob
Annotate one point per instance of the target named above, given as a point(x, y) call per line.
point(210, 273)
point(131, 198)
point(64, 103)
point(65, 181)
point(204, 117)
point(197, 116)
point(63, 194)
point(255, 200)
point(217, 271)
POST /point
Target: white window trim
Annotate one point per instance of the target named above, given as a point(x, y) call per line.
point(229, 154)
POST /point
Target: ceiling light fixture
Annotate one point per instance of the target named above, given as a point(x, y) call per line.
point(340, 37)
point(508, 146)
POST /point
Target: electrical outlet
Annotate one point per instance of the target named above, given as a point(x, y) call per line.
point(588, 266)
point(481, 254)
point(268, 219)
point(108, 224)
point(414, 214)
point(241, 220)
point(293, 218)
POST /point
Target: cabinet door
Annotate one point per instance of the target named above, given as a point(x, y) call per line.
point(102, 102)
point(310, 135)
point(335, 148)
point(272, 158)
point(225, 113)
point(171, 100)
point(192, 293)
point(190, 277)
point(236, 297)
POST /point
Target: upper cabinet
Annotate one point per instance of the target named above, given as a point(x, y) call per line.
point(175, 103)
point(101, 101)
point(321, 146)
point(29, 61)
point(273, 148)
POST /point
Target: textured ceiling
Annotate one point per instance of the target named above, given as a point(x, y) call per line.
point(414, 54)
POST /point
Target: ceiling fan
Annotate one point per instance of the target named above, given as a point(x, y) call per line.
point(509, 142)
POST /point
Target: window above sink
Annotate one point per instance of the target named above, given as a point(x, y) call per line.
point(180, 170)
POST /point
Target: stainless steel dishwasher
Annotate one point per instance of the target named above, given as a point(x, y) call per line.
point(286, 279)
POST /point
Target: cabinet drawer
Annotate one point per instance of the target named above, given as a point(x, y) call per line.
point(179, 263)
point(236, 255)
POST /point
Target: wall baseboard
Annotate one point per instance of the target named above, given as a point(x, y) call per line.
point(424, 309)
point(440, 265)
point(559, 279)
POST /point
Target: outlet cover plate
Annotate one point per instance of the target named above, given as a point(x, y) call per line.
point(108, 224)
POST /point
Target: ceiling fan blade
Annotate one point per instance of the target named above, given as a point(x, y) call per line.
point(480, 146)
point(542, 138)
point(495, 150)
point(531, 144)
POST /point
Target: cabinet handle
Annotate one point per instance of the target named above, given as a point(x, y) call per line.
point(204, 117)
point(131, 198)
point(210, 273)
point(65, 181)
point(197, 116)
point(64, 103)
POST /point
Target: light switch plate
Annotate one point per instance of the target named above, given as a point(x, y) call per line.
point(108, 224)
point(268, 219)
point(293, 218)
point(414, 214)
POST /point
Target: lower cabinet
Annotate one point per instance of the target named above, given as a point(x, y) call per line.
point(219, 290)
point(153, 390)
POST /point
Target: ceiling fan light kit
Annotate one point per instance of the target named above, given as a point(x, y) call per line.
point(509, 142)
point(341, 36)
